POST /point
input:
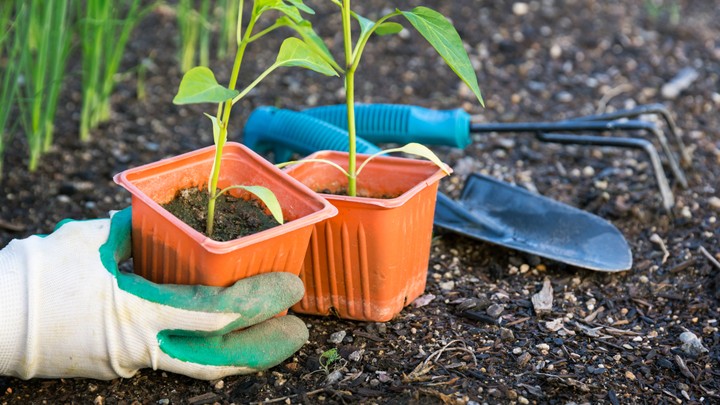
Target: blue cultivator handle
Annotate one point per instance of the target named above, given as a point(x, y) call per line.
point(392, 123)
point(284, 132)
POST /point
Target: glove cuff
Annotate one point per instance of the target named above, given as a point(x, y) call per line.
point(13, 307)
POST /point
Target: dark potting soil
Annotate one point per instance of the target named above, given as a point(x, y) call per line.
point(344, 192)
point(234, 217)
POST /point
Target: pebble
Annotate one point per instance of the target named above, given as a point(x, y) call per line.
point(524, 359)
point(544, 347)
point(356, 355)
point(588, 171)
point(520, 8)
point(507, 335)
point(100, 400)
point(714, 203)
point(522, 400)
point(495, 310)
point(447, 285)
point(337, 337)
point(691, 344)
point(219, 385)
point(164, 401)
point(684, 78)
point(630, 376)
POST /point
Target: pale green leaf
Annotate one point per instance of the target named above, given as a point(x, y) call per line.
point(388, 28)
point(441, 34)
point(305, 30)
point(411, 149)
point(294, 52)
point(301, 6)
point(215, 128)
point(199, 85)
point(265, 195)
point(328, 162)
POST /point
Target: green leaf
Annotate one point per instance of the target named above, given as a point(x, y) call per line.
point(441, 34)
point(199, 85)
point(388, 28)
point(301, 6)
point(294, 52)
point(411, 149)
point(215, 127)
point(310, 37)
point(265, 195)
point(279, 5)
point(325, 161)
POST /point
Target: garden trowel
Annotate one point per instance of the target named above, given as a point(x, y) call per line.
point(488, 210)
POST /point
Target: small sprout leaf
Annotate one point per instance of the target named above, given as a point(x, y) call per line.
point(301, 6)
point(388, 28)
point(215, 127)
point(310, 37)
point(294, 52)
point(411, 149)
point(263, 194)
point(199, 85)
point(296, 162)
point(441, 34)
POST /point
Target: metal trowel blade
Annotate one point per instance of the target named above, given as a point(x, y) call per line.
point(497, 212)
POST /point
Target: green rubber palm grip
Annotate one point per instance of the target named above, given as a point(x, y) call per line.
point(393, 123)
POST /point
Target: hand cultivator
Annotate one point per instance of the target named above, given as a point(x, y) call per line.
point(399, 123)
point(488, 209)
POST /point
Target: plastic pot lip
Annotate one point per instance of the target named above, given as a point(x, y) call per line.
point(327, 210)
point(381, 202)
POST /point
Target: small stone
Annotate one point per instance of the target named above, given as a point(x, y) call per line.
point(511, 395)
point(495, 310)
point(522, 400)
point(447, 285)
point(543, 347)
point(691, 344)
point(520, 8)
point(374, 382)
point(164, 401)
point(588, 171)
point(100, 400)
point(685, 212)
point(714, 203)
point(219, 385)
point(337, 337)
point(524, 359)
point(684, 78)
point(356, 355)
point(630, 376)
point(517, 350)
point(507, 335)
point(92, 387)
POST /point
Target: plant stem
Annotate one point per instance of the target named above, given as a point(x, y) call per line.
point(223, 118)
point(349, 97)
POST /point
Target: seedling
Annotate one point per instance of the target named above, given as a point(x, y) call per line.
point(436, 29)
point(199, 85)
point(327, 358)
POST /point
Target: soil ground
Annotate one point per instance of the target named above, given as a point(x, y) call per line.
point(610, 338)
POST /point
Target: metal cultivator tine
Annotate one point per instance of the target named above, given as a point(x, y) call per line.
point(618, 121)
point(666, 193)
point(649, 109)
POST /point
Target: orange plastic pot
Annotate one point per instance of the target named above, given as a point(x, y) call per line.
point(371, 259)
point(166, 250)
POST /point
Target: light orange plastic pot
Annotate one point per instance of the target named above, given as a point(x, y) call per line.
point(371, 259)
point(166, 250)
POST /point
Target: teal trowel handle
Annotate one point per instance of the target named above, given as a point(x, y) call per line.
point(392, 123)
point(284, 132)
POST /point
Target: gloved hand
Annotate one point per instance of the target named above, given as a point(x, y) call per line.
point(67, 311)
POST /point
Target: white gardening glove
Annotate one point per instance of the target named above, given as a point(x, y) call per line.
point(67, 311)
